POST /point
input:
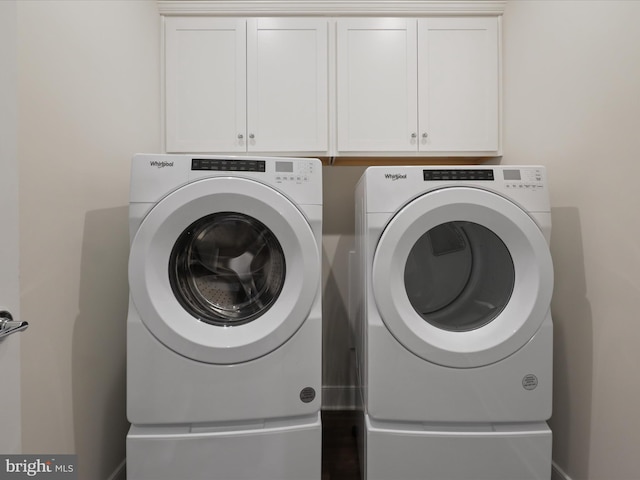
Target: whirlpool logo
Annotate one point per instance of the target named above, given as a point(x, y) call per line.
point(160, 163)
point(58, 467)
point(395, 176)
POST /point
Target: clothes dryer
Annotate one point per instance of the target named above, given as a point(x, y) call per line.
point(224, 323)
point(455, 332)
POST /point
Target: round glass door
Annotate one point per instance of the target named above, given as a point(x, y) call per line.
point(224, 270)
point(462, 277)
point(459, 276)
point(227, 269)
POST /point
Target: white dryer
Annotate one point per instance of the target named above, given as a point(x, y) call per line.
point(224, 324)
point(455, 333)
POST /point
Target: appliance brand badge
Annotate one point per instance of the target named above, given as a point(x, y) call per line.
point(160, 164)
point(307, 394)
point(530, 382)
point(395, 176)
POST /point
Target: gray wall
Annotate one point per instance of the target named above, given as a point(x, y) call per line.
point(89, 98)
point(572, 102)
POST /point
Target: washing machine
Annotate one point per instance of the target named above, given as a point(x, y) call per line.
point(224, 322)
point(454, 345)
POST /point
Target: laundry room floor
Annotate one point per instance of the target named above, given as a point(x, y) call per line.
point(339, 450)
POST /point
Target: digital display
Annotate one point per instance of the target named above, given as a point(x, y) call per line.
point(284, 167)
point(458, 174)
point(512, 175)
point(227, 165)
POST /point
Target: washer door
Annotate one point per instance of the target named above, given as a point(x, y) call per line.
point(462, 277)
point(224, 270)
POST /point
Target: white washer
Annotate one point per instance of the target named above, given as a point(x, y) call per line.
point(224, 324)
point(455, 334)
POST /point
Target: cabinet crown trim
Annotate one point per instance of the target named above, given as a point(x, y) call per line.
point(330, 7)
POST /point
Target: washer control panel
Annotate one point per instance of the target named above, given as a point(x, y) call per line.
point(228, 165)
point(284, 171)
point(298, 171)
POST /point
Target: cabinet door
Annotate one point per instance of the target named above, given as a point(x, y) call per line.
point(377, 85)
point(287, 84)
point(205, 84)
point(458, 84)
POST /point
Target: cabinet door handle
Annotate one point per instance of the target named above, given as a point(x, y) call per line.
point(414, 135)
point(252, 136)
point(424, 135)
point(240, 136)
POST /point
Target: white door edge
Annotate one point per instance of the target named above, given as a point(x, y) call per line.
point(10, 413)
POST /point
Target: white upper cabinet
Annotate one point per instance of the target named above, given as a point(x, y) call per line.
point(288, 85)
point(428, 86)
point(246, 85)
point(458, 84)
point(339, 78)
point(205, 84)
point(377, 85)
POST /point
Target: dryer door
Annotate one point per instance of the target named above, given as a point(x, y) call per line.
point(462, 277)
point(224, 270)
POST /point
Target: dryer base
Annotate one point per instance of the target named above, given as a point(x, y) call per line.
point(457, 452)
point(281, 450)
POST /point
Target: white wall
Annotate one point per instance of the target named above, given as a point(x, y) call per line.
point(338, 369)
point(88, 99)
point(572, 102)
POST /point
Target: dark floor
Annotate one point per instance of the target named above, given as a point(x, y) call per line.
point(339, 451)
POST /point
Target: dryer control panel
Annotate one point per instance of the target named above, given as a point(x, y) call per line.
point(511, 178)
point(523, 178)
point(458, 174)
point(388, 188)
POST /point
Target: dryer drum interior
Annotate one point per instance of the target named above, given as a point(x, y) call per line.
point(227, 269)
point(459, 276)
